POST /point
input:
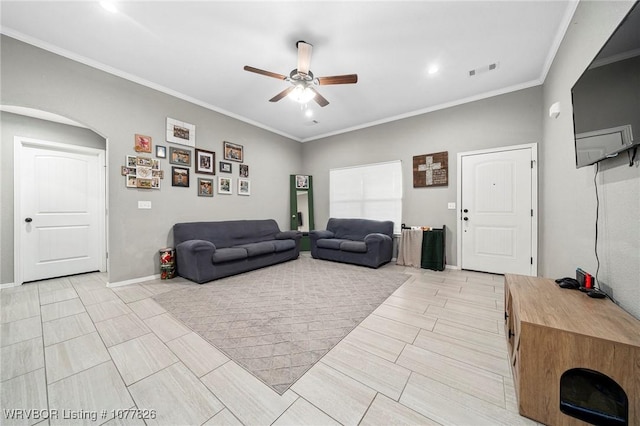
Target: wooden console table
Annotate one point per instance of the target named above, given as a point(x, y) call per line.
point(551, 330)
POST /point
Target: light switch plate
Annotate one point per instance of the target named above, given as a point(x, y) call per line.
point(451, 206)
point(144, 204)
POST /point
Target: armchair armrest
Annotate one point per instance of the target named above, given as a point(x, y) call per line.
point(196, 246)
point(376, 237)
point(191, 258)
point(316, 235)
point(289, 235)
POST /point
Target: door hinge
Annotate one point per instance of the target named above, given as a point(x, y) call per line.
point(531, 212)
point(532, 260)
point(532, 164)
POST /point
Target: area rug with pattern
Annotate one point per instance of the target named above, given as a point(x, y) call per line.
point(278, 321)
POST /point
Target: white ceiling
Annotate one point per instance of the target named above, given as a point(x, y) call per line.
point(196, 50)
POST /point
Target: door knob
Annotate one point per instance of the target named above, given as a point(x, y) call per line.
point(465, 218)
point(28, 220)
point(466, 210)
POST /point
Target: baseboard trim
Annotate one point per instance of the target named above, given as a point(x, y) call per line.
point(8, 285)
point(454, 267)
point(133, 281)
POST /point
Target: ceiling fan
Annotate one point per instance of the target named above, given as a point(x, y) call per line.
point(302, 79)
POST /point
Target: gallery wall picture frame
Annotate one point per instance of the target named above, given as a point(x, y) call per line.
point(225, 167)
point(142, 143)
point(244, 170)
point(205, 162)
point(224, 185)
point(142, 172)
point(143, 162)
point(180, 176)
point(302, 182)
point(161, 151)
point(205, 187)
point(233, 152)
point(132, 181)
point(244, 186)
point(179, 156)
point(181, 132)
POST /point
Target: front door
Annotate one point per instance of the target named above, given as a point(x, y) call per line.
point(497, 210)
point(60, 214)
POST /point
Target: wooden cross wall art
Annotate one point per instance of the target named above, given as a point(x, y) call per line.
point(431, 170)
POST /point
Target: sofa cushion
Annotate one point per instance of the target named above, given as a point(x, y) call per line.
point(354, 246)
point(283, 245)
point(228, 254)
point(330, 243)
point(256, 249)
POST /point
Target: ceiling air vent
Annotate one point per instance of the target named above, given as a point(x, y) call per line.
point(484, 69)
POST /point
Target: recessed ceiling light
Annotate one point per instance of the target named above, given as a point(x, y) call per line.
point(109, 5)
point(433, 69)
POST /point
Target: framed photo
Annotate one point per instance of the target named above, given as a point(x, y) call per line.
point(126, 171)
point(179, 156)
point(132, 181)
point(155, 183)
point(143, 162)
point(180, 132)
point(205, 187)
point(233, 152)
point(244, 186)
point(244, 171)
point(161, 151)
point(224, 185)
point(225, 167)
point(145, 183)
point(205, 162)
point(142, 143)
point(132, 161)
point(302, 182)
point(180, 176)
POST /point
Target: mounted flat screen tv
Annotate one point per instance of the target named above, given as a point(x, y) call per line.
point(606, 97)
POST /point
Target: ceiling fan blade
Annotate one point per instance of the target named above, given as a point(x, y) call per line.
point(282, 94)
point(339, 79)
point(263, 72)
point(304, 57)
point(319, 98)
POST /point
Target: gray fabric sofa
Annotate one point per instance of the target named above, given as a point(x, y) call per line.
point(206, 251)
point(359, 241)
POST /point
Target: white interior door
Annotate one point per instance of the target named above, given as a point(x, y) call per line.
point(497, 211)
point(60, 217)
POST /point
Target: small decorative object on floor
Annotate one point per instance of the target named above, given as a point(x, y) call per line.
point(167, 263)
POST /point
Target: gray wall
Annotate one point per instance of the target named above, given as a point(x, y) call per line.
point(511, 119)
point(118, 109)
point(567, 194)
point(19, 125)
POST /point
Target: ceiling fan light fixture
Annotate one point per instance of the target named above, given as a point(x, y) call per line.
point(302, 94)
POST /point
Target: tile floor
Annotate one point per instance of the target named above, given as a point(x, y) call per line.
point(433, 353)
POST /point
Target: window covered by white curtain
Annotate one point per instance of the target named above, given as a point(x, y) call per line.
point(370, 191)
